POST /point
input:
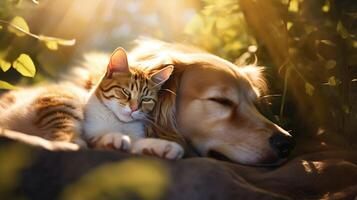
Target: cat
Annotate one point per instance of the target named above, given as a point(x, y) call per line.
point(118, 105)
point(112, 115)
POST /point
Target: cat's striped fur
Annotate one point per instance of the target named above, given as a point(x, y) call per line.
point(53, 111)
point(111, 114)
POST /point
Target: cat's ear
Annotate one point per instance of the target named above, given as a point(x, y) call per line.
point(162, 75)
point(118, 62)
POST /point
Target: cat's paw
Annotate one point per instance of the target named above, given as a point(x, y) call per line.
point(158, 147)
point(116, 141)
point(81, 143)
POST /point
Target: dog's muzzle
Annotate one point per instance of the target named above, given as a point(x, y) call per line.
point(282, 144)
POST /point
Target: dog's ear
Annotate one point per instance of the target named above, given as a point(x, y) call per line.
point(162, 75)
point(118, 62)
point(255, 77)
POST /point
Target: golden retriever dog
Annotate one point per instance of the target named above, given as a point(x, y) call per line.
point(208, 103)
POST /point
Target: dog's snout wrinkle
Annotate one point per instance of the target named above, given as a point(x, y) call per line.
point(282, 144)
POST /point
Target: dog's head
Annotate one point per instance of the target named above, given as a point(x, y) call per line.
point(214, 110)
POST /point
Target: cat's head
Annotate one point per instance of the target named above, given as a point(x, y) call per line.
point(130, 93)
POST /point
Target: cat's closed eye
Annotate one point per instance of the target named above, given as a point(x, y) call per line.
point(125, 92)
point(146, 99)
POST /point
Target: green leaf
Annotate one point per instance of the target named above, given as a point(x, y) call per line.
point(4, 65)
point(328, 42)
point(309, 89)
point(52, 42)
point(7, 86)
point(346, 109)
point(354, 44)
point(326, 7)
point(289, 25)
point(294, 6)
point(52, 45)
point(332, 81)
point(57, 40)
point(20, 23)
point(24, 65)
point(341, 30)
point(330, 64)
point(309, 29)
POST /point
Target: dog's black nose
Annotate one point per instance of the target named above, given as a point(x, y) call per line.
point(282, 144)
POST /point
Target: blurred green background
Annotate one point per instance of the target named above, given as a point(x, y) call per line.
point(309, 48)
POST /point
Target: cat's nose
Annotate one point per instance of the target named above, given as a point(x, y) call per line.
point(133, 108)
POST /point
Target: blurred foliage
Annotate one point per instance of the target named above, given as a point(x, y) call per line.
point(220, 27)
point(131, 179)
point(14, 158)
point(309, 49)
point(95, 25)
point(18, 26)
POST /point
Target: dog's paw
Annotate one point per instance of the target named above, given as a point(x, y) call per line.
point(158, 147)
point(116, 141)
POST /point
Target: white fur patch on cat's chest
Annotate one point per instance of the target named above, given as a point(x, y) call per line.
point(99, 120)
point(132, 129)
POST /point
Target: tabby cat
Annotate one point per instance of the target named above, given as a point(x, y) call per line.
point(112, 115)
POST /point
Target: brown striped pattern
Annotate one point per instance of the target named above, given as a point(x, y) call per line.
point(129, 89)
point(57, 114)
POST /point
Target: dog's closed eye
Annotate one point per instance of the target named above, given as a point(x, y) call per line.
point(223, 101)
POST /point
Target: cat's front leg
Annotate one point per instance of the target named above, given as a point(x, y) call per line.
point(157, 147)
point(113, 141)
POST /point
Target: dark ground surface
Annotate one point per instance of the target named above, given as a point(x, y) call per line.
point(329, 175)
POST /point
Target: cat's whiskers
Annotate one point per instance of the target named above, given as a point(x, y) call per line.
point(145, 117)
point(168, 90)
